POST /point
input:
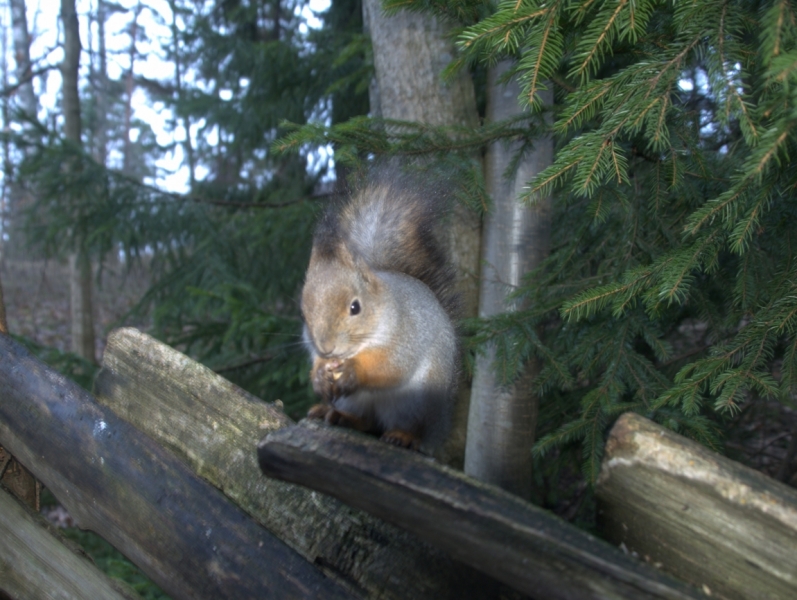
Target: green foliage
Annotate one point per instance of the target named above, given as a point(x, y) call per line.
point(227, 258)
point(77, 368)
point(107, 558)
point(669, 289)
point(114, 564)
point(675, 126)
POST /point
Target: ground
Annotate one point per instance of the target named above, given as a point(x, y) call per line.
point(37, 300)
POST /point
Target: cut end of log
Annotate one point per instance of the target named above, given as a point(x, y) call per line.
point(703, 517)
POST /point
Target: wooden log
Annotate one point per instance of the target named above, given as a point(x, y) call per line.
point(215, 426)
point(35, 563)
point(477, 523)
point(114, 480)
point(703, 517)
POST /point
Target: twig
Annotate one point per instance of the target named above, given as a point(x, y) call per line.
point(10, 89)
point(243, 365)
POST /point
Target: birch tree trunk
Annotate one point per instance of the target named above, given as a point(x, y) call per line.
point(410, 52)
point(503, 418)
point(79, 262)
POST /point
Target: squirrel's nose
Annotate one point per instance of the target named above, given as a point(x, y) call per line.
point(324, 351)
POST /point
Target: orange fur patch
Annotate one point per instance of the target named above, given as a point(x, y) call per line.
point(374, 370)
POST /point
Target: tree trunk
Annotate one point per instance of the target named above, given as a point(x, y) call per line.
point(19, 20)
point(410, 52)
point(101, 90)
point(79, 262)
point(178, 83)
point(129, 89)
point(25, 100)
point(502, 419)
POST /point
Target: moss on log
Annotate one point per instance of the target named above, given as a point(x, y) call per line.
point(214, 426)
point(114, 480)
point(479, 524)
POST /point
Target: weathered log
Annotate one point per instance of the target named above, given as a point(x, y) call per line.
point(114, 480)
point(703, 517)
point(36, 564)
point(215, 426)
point(477, 523)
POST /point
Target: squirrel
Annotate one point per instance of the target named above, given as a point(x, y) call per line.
point(379, 311)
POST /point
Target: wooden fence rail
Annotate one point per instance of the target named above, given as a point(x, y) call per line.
point(181, 531)
point(162, 461)
point(703, 517)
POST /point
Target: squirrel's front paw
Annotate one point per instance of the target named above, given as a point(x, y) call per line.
point(319, 411)
point(333, 378)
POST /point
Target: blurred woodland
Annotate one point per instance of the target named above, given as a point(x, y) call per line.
point(659, 276)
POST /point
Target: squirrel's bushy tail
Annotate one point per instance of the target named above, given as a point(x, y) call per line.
point(394, 223)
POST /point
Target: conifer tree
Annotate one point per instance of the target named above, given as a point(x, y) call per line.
point(669, 288)
point(673, 210)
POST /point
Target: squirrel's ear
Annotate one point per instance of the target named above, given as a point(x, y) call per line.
point(343, 254)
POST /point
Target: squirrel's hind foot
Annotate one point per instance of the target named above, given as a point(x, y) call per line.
point(331, 415)
point(404, 439)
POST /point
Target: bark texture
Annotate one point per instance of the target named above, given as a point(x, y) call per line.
point(214, 427)
point(700, 516)
point(481, 525)
point(116, 481)
point(411, 51)
point(503, 418)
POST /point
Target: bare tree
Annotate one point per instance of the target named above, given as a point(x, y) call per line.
point(24, 100)
point(79, 262)
point(129, 89)
point(178, 83)
point(99, 75)
point(24, 72)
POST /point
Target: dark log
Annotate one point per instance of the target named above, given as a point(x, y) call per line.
point(116, 481)
point(214, 427)
point(479, 524)
point(35, 563)
point(703, 517)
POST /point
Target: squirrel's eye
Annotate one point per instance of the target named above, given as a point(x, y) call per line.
point(354, 309)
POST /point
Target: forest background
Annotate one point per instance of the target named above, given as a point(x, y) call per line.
point(664, 281)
